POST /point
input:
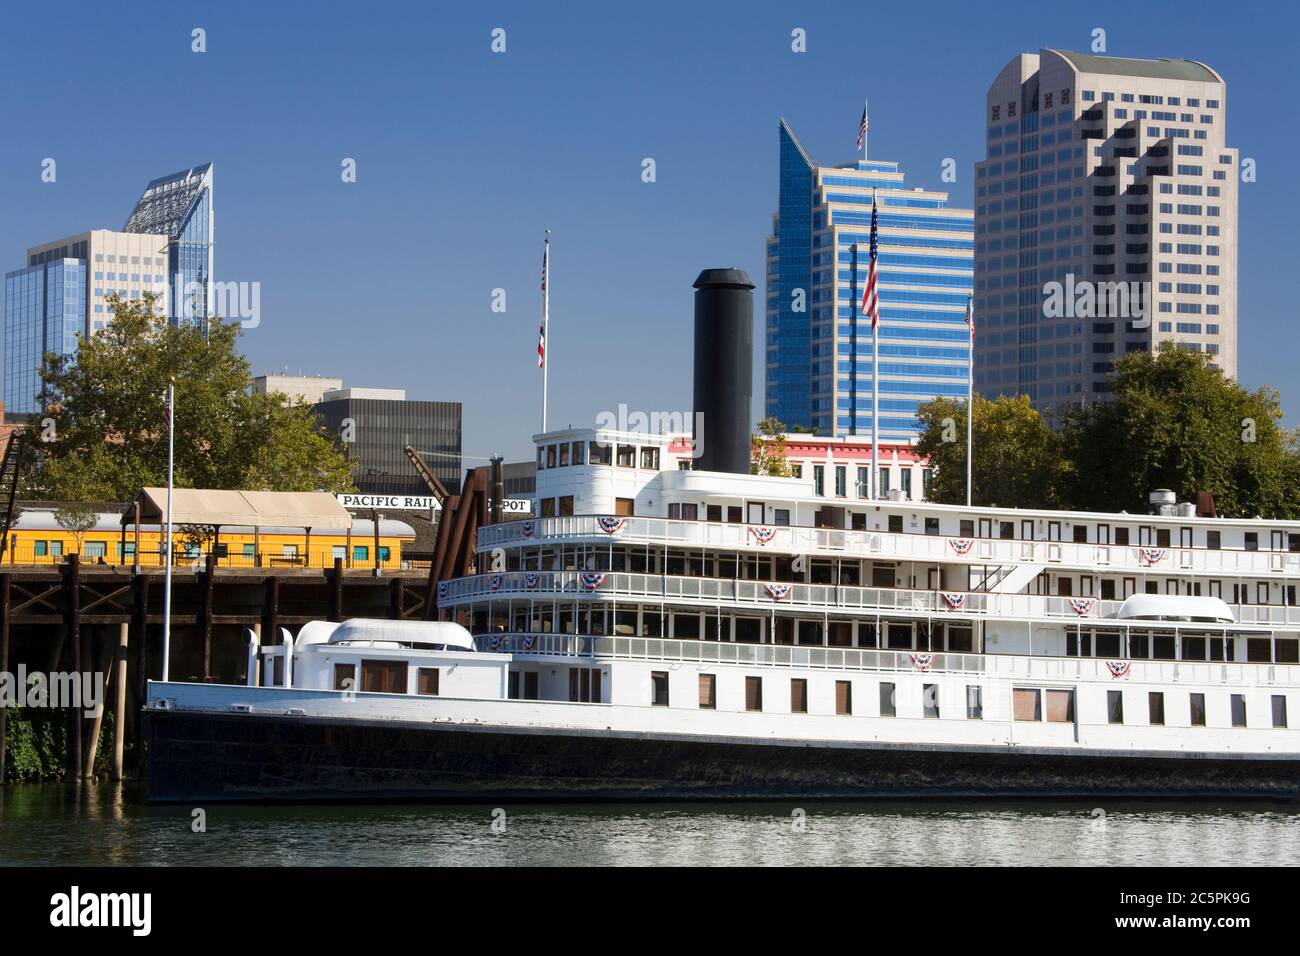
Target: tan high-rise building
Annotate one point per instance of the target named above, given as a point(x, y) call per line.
point(1105, 222)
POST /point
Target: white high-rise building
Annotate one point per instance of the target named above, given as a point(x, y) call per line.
point(1107, 182)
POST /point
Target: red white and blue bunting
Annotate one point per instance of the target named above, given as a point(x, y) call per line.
point(1118, 668)
point(528, 526)
point(922, 662)
point(591, 579)
point(494, 641)
point(611, 525)
point(961, 546)
point(762, 534)
point(443, 588)
point(495, 581)
point(1151, 555)
point(778, 592)
point(531, 580)
point(529, 641)
point(1081, 606)
point(954, 599)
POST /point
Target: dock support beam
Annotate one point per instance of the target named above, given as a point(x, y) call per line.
point(119, 698)
point(336, 591)
point(209, 574)
point(72, 644)
point(4, 664)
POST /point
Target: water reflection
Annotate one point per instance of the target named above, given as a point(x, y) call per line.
point(105, 823)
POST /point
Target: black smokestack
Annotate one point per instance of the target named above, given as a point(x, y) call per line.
point(724, 359)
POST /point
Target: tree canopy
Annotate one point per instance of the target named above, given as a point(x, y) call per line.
point(1017, 456)
point(1173, 421)
point(104, 435)
point(768, 450)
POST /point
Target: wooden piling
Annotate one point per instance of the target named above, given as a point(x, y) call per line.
point(4, 665)
point(209, 575)
point(106, 652)
point(336, 591)
point(119, 698)
point(72, 644)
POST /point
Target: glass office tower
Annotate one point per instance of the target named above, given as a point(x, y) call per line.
point(818, 345)
point(45, 309)
point(180, 207)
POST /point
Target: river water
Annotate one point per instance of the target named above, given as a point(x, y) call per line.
point(111, 824)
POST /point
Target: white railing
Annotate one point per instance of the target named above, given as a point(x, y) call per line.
point(1003, 666)
point(830, 542)
point(612, 585)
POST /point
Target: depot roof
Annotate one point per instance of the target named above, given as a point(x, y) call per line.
point(258, 509)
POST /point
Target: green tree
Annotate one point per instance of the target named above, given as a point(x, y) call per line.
point(768, 456)
point(1174, 421)
point(108, 410)
point(76, 520)
point(1017, 456)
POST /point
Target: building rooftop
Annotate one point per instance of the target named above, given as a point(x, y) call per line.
point(166, 202)
point(1163, 69)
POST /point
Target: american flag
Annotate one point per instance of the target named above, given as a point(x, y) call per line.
point(541, 330)
point(862, 127)
point(870, 296)
point(970, 317)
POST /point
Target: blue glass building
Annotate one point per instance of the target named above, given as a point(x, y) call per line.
point(818, 345)
point(180, 207)
point(45, 309)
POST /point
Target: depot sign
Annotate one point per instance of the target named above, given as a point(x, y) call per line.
point(420, 503)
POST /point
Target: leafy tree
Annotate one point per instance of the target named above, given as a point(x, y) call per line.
point(768, 456)
point(76, 520)
point(1017, 456)
point(1175, 421)
point(108, 406)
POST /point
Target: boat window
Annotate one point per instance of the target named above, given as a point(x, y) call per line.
point(843, 698)
point(1196, 704)
point(895, 524)
point(566, 505)
point(564, 455)
point(659, 688)
point(1279, 710)
point(735, 515)
point(754, 693)
point(798, 695)
point(967, 528)
point(626, 456)
point(345, 676)
point(1121, 536)
point(1006, 530)
point(1060, 706)
point(1080, 534)
point(1027, 703)
point(930, 700)
point(650, 458)
point(1115, 706)
point(1162, 537)
point(384, 677)
point(427, 681)
point(974, 702)
point(600, 453)
point(1252, 540)
point(1156, 707)
point(887, 700)
point(780, 516)
point(578, 448)
point(550, 456)
point(1238, 706)
point(932, 526)
point(708, 692)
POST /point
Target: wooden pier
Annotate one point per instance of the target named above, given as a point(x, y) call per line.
point(108, 620)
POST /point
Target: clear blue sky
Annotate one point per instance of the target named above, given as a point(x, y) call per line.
point(465, 157)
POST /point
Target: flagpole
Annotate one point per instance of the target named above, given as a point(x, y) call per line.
point(866, 133)
point(875, 379)
point(546, 318)
point(167, 581)
point(970, 391)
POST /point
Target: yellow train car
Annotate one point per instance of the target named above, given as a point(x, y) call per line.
point(37, 538)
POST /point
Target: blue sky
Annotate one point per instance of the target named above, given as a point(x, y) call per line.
point(464, 157)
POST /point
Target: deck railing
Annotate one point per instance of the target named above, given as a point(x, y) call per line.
point(1004, 666)
point(546, 585)
point(833, 542)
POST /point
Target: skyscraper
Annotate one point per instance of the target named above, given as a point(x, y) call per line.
point(180, 207)
point(63, 292)
point(818, 344)
point(1106, 179)
point(64, 288)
